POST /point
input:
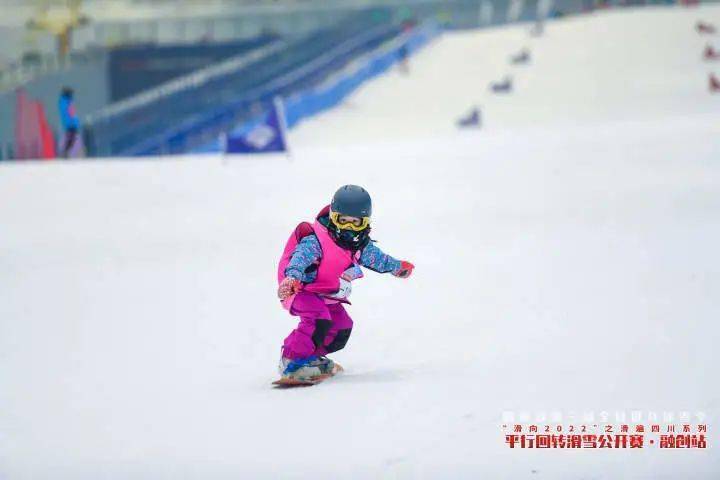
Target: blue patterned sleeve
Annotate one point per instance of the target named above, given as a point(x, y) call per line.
point(306, 253)
point(374, 259)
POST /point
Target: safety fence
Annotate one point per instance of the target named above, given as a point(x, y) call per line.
point(332, 91)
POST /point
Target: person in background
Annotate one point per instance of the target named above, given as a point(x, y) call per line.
point(403, 53)
point(69, 120)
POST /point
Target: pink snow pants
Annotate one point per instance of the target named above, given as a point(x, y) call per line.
point(322, 329)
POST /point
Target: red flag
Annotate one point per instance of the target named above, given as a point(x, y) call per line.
point(47, 141)
point(33, 136)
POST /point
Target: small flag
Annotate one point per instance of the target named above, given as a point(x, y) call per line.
point(267, 136)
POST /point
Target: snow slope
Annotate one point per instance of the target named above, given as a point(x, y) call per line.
point(566, 261)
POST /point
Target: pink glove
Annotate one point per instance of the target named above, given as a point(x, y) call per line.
point(289, 286)
point(406, 269)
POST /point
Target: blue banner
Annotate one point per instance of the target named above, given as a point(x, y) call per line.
point(265, 137)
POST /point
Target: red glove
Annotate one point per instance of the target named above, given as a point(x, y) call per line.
point(289, 286)
point(405, 270)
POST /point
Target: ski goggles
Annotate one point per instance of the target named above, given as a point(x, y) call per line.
point(346, 222)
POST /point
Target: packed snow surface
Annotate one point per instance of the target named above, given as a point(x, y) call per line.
point(567, 261)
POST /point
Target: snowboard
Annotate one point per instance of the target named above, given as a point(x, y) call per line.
point(289, 382)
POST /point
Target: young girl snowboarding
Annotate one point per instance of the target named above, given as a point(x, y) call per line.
point(315, 273)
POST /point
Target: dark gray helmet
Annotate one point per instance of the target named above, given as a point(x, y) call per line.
point(353, 201)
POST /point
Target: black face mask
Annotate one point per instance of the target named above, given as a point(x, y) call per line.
point(348, 239)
